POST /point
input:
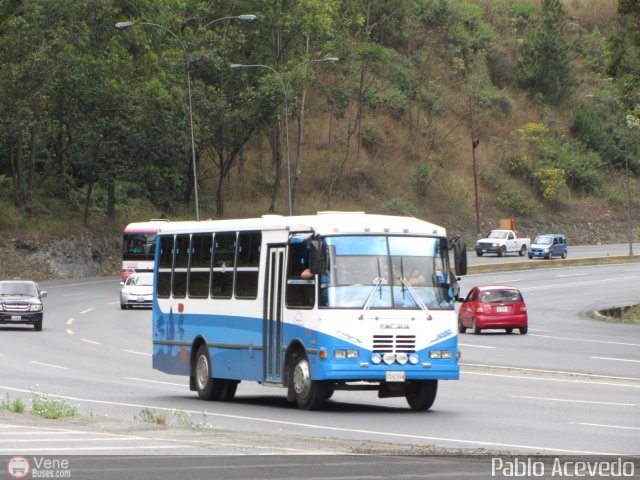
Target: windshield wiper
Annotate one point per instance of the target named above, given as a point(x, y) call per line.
point(416, 297)
point(378, 283)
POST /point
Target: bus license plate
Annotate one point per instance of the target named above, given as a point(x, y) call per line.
point(395, 376)
point(15, 318)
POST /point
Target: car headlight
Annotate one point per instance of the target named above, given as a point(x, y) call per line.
point(36, 307)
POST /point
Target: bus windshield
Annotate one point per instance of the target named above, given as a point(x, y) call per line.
point(139, 246)
point(386, 271)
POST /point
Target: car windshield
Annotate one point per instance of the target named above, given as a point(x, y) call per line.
point(497, 234)
point(544, 240)
point(18, 288)
point(500, 295)
point(140, 280)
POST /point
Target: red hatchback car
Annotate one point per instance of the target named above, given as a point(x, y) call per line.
point(493, 306)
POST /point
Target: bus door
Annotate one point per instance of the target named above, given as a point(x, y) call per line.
point(272, 321)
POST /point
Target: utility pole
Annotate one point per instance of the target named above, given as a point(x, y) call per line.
point(474, 144)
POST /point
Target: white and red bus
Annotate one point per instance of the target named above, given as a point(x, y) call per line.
point(138, 247)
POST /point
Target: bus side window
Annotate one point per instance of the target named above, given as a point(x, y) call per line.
point(300, 293)
point(224, 257)
point(247, 266)
point(165, 264)
point(181, 262)
point(200, 267)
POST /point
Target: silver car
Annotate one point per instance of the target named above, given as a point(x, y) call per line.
point(137, 291)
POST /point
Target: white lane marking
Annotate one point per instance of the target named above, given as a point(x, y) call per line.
point(508, 280)
point(632, 270)
point(51, 287)
point(573, 284)
point(113, 303)
point(573, 339)
point(562, 372)
point(70, 332)
point(70, 321)
point(74, 449)
point(547, 379)
point(138, 353)
point(474, 346)
point(571, 275)
point(92, 435)
point(86, 311)
point(154, 381)
point(574, 401)
point(48, 365)
point(617, 359)
point(90, 341)
point(623, 427)
point(59, 440)
point(326, 427)
point(74, 294)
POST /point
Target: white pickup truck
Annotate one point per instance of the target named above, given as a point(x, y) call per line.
point(502, 242)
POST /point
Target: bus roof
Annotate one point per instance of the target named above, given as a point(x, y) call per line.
point(323, 223)
point(151, 226)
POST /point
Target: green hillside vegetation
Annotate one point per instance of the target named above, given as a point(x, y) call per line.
point(95, 131)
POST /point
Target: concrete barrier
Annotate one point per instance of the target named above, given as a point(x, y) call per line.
point(551, 263)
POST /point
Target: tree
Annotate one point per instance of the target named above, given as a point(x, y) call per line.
point(544, 63)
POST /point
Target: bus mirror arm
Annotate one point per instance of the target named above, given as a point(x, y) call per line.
point(317, 258)
point(459, 255)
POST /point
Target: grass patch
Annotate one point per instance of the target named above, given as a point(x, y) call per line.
point(46, 407)
point(147, 415)
point(628, 314)
point(16, 405)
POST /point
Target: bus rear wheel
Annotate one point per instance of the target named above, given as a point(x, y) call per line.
point(421, 394)
point(309, 394)
point(208, 388)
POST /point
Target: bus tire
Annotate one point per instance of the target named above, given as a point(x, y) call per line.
point(309, 394)
point(208, 388)
point(421, 394)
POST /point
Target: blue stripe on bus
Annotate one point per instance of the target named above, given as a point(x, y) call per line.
point(236, 353)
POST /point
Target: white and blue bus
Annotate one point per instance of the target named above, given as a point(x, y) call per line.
point(314, 304)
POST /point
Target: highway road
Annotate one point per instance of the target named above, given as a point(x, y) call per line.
point(570, 386)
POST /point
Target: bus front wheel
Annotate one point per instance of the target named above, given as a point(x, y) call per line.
point(421, 394)
point(208, 388)
point(309, 394)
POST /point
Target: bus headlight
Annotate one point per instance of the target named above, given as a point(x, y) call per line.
point(441, 354)
point(341, 353)
point(402, 358)
point(414, 359)
point(389, 358)
point(376, 358)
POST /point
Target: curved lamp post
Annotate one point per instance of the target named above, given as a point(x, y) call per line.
point(187, 61)
point(285, 90)
point(616, 107)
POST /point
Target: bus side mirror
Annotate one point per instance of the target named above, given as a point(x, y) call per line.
point(459, 256)
point(317, 258)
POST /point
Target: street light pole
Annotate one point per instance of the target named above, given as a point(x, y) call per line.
point(285, 90)
point(616, 106)
point(187, 61)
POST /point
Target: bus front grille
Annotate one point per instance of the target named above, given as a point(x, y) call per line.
point(394, 343)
